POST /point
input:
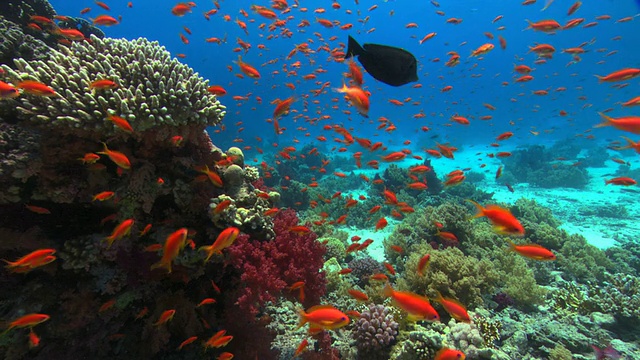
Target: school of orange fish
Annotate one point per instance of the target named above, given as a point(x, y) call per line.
point(275, 19)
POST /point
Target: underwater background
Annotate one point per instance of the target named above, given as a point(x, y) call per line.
point(211, 179)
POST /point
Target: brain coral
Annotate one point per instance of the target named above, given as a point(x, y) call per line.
point(153, 89)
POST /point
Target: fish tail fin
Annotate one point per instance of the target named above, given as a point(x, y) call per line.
point(606, 122)
point(599, 78)
point(161, 264)
point(388, 290)
point(106, 149)
point(512, 246)
point(209, 250)
point(353, 48)
point(606, 182)
point(480, 212)
point(302, 318)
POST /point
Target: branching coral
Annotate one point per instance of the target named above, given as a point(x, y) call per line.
point(153, 89)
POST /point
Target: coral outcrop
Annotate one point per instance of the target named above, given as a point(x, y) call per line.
point(152, 89)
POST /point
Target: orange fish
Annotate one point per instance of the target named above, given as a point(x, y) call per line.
point(533, 251)
point(381, 224)
point(417, 306)
point(224, 240)
point(187, 342)
point(620, 75)
point(423, 263)
point(357, 97)
point(34, 340)
point(449, 354)
point(103, 84)
point(172, 246)
point(325, 317)
point(625, 123)
point(215, 179)
point(302, 347)
point(624, 181)
point(31, 260)
point(503, 221)
point(454, 308)
point(117, 157)
point(181, 9)
point(103, 196)
point(358, 295)
point(225, 356)
point(105, 20)
point(217, 90)
point(120, 123)
point(165, 316)
point(123, 229)
point(8, 91)
point(36, 88)
point(29, 320)
point(283, 107)
point(247, 69)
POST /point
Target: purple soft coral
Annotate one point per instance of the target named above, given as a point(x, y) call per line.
point(606, 353)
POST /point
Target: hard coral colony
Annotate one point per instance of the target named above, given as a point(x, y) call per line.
point(354, 215)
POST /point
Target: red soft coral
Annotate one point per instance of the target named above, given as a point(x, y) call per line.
point(268, 268)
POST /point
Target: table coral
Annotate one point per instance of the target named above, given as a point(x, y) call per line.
point(153, 89)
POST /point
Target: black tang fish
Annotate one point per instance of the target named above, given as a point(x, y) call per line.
point(391, 65)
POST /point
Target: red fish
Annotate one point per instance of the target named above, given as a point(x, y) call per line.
point(625, 123)
point(8, 91)
point(117, 157)
point(357, 97)
point(123, 229)
point(247, 69)
point(172, 246)
point(454, 308)
point(417, 306)
point(325, 317)
point(502, 219)
point(27, 321)
point(165, 316)
point(31, 260)
point(224, 240)
point(533, 251)
point(449, 354)
point(624, 181)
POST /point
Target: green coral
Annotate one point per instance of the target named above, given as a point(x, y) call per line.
point(618, 295)
point(581, 260)
point(529, 210)
point(519, 279)
point(419, 228)
point(570, 299)
point(560, 353)
point(335, 248)
point(451, 273)
point(417, 344)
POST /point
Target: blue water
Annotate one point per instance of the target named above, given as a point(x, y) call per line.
point(154, 20)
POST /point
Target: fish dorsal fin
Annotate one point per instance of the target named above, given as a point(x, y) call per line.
point(320, 307)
